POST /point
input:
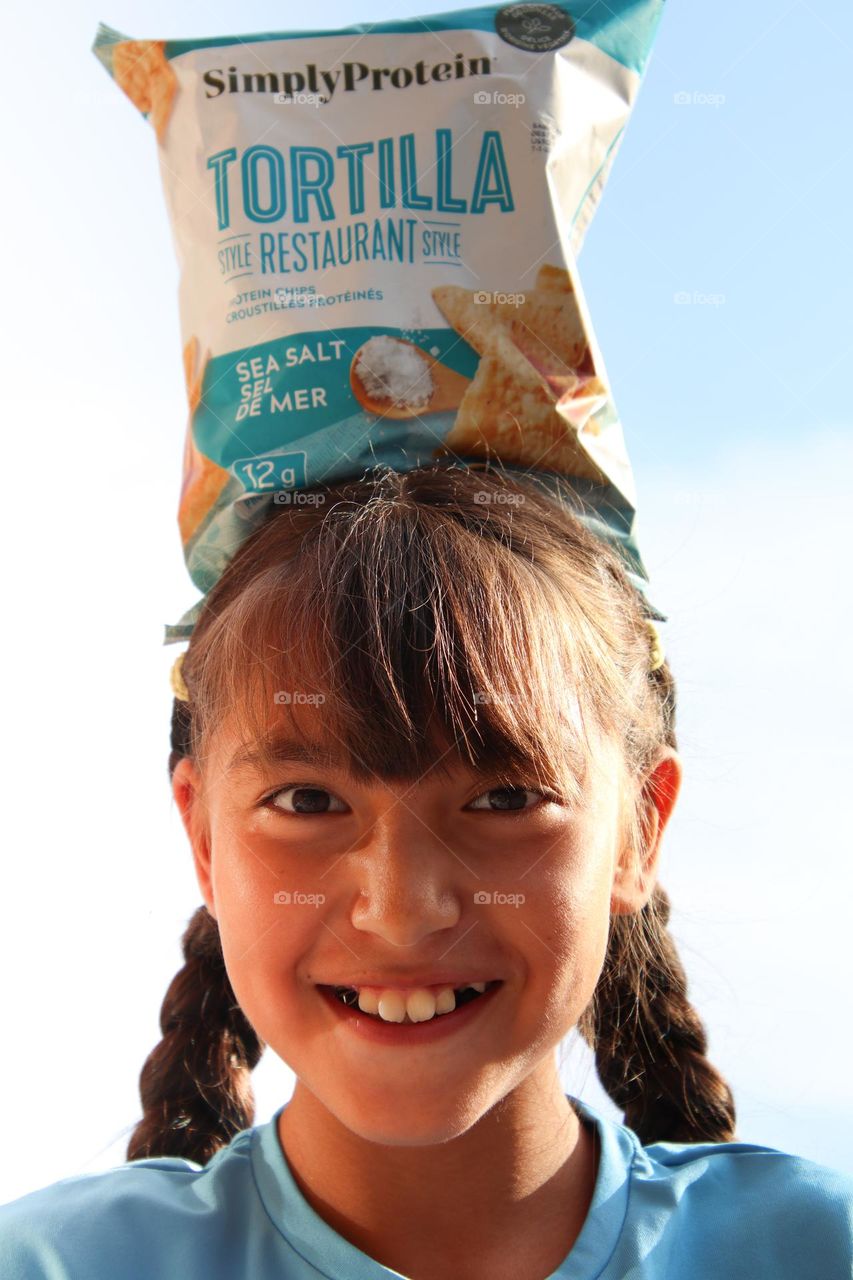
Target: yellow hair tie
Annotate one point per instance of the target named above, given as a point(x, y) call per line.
point(658, 656)
point(176, 679)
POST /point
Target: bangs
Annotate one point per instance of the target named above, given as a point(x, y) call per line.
point(403, 643)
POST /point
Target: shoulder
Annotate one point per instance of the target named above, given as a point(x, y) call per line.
point(762, 1206)
point(122, 1221)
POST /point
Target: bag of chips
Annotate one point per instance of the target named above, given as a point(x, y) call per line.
point(377, 228)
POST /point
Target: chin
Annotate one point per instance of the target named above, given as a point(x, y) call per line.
point(418, 1119)
point(415, 1125)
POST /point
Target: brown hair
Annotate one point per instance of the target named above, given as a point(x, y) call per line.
point(410, 592)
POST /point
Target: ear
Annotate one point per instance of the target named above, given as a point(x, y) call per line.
point(187, 790)
point(635, 875)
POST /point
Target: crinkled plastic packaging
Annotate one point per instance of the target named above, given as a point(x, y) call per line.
point(377, 229)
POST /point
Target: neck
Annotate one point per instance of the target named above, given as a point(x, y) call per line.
point(508, 1196)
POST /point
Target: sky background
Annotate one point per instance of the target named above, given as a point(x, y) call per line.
point(732, 190)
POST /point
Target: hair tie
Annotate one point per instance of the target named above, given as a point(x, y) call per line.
point(658, 656)
point(176, 679)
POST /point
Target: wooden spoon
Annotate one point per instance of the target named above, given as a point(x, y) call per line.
point(448, 389)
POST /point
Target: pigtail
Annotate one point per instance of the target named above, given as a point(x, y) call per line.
point(195, 1086)
point(650, 1044)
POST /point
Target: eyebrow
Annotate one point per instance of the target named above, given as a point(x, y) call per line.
point(284, 750)
point(281, 749)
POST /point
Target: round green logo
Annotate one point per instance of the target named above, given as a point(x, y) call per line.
point(535, 27)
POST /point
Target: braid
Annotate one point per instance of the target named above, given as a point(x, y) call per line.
point(195, 1086)
point(650, 1044)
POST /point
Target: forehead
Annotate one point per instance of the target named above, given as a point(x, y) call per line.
point(304, 737)
point(394, 707)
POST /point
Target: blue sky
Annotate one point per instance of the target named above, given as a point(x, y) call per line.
point(739, 196)
point(718, 275)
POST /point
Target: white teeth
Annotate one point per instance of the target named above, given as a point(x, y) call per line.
point(393, 1006)
point(419, 1005)
point(368, 1002)
point(445, 1001)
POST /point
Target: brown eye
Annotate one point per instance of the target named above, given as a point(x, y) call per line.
point(509, 799)
point(306, 800)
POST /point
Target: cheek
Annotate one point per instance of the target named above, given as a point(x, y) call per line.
point(569, 905)
point(265, 923)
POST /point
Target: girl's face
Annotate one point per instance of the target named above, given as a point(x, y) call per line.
point(314, 879)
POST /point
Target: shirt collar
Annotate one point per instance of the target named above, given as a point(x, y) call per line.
point(330, 1254)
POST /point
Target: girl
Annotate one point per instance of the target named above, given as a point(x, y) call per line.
point(424, 750)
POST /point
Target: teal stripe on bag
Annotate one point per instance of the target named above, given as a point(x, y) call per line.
point(623, 29)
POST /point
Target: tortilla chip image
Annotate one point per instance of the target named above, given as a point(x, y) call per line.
point(142, 70)
point(203, 480)
point(193, 376)
point(536, 386)
point(546, 320)
point(554, 278)
point(508, 413)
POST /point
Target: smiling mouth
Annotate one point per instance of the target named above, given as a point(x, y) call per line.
point(419, 1006)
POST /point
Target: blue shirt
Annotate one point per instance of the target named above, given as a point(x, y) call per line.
point(727, 1211)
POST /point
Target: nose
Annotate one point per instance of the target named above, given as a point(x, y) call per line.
point(409, 885)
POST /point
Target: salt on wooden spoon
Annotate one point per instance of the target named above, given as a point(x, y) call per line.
point(393, 378)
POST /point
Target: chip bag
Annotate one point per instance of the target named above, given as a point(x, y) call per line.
point(377, 229)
